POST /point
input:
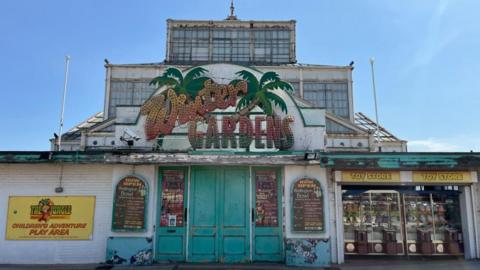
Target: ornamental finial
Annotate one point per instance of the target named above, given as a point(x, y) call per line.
point(232, 12)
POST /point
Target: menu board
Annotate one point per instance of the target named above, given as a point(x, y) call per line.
point(307, 205)
point(173, 188)
point(130, 204)
point(266, 199)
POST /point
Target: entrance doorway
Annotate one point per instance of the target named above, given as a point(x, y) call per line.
point(219, 229)
point(219, 214)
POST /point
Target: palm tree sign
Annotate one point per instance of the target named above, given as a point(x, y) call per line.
point(260, 93)
point(188, 85)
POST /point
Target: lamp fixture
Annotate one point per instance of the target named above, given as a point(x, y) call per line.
point(311, 156)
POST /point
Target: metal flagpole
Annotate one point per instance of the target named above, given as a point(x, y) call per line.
point(372, 60)
point(67, 62)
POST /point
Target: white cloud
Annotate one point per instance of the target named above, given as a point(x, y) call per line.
point(436, 38)
point(431, 145)
point(454, 144)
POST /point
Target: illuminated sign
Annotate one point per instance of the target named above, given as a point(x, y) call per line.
point(193, 98)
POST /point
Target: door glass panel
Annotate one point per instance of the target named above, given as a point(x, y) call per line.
point(386, 221)
point(173, 188)
point(267, 218)
point(447, 223)
point(424, 220)
point(418, 223)
point(266, 199)
point(372, 222)
point(170, 235)
point(351, 216)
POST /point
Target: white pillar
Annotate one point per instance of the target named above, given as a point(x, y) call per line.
point(339, 218)
point(468, 226)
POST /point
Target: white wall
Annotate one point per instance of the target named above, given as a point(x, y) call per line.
point(40, 180)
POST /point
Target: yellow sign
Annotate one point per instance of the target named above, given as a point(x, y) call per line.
point(443, 177)
point(50, 217)
point(370, 176)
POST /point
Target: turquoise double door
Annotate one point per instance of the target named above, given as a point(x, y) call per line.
point(221, 220)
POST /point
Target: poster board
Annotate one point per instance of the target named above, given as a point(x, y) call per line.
point(173, 190)
point(307, 206)
point(266, 198)
point(130, 204)
point(50, 217)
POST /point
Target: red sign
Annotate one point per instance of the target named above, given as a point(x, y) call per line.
point(277, 133)
point(173, 188)
point(266, 199)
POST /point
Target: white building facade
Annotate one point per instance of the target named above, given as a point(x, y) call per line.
point(231, 152)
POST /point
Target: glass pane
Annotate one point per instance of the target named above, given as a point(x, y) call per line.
point(418, 223)
point(173, 189)
point(447, 222)
point(372, 222)
point(266, 200)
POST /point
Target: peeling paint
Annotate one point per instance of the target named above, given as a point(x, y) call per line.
point(308, 252)
point(408, 161)
point(338, 161)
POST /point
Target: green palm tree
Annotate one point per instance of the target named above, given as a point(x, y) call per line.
point(188, 85)
point(260, 93)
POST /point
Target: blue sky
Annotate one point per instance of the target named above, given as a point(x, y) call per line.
point(427, 58)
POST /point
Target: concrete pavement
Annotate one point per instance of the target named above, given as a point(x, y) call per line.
point(398, 263)
point(415, 263)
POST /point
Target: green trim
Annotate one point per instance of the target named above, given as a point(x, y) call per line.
point(336, 160)
point(145, 212)
point(232, 113)
point(300, 111)
point(405, 160)
point(233, 152)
